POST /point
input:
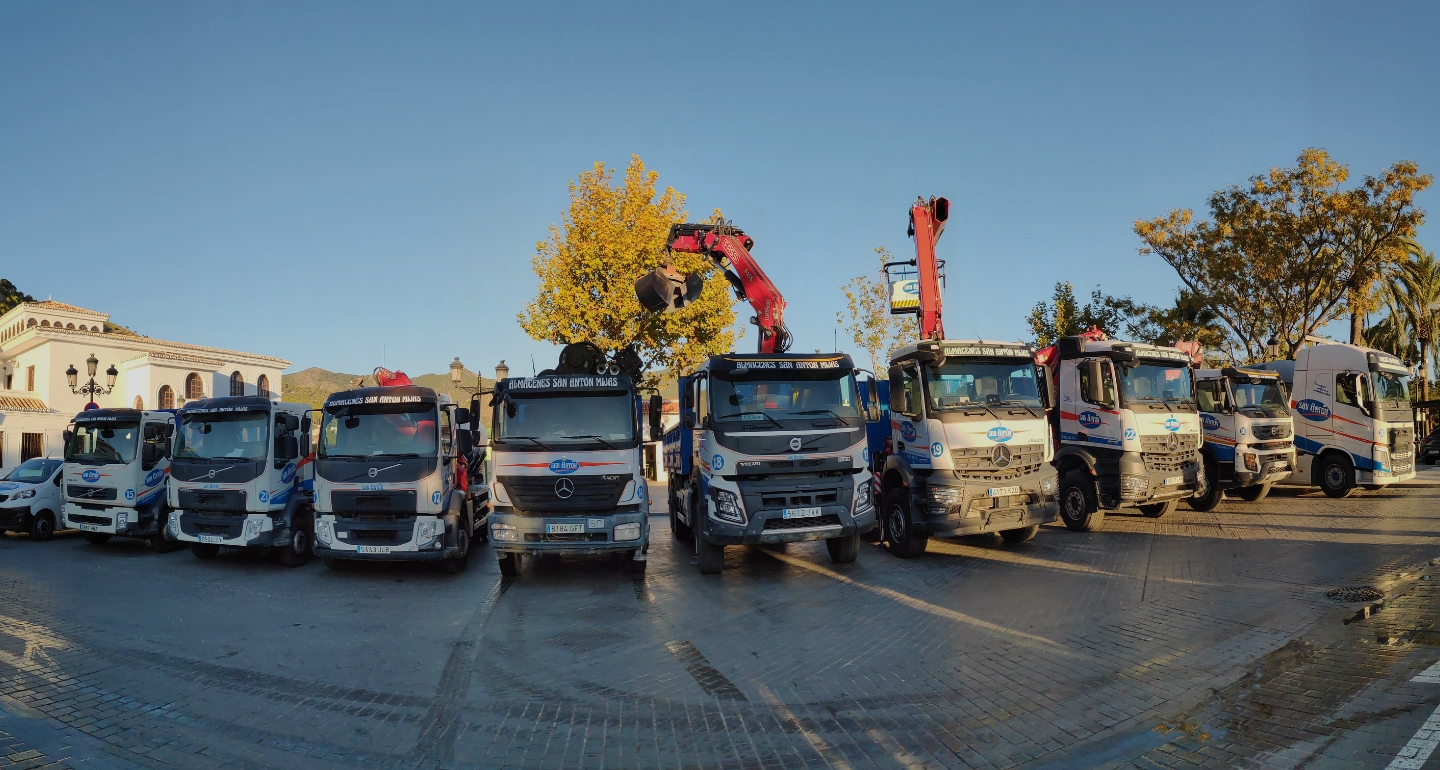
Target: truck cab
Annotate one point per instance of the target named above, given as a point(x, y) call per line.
point(565, 469)
point(116, 465)
point(771, 449)
point(1248, 433)
point(970, 447)
point(1129, 429)
point(30, 498)
point(241, 476)
point(390, 478)
point(1355, 424)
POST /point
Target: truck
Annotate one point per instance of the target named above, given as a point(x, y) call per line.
point(565, 463)
point(30, 498)
point(1356, 425)
point(1248, 433)
point(117, 462)
point(1129, 428)
point(241, 476)
point(391, 479)
point(968, 447)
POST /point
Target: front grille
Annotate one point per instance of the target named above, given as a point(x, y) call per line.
point(394, 503)
point(1402, 440)
point(978, 463)
point(374, 536)
point(544, 493)
point(567, 537)
point(1168, 463)
point(782, 500)
point(215, 529)
point(90, 493)
point(1159, 444)
point(83, 519)
point(1271, 432)
point(1266, 446)
point(212, 499)
point(829, 520)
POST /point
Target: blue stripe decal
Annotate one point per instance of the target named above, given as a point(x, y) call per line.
point(151, 497)
point(1091, 439)
point(1223, 452)
point(1308, 446)
point(1364, 463)
point(281, 498)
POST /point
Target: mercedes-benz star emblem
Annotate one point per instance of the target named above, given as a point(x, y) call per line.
point(1001, 456)
point(795, 444)
point(564, 488)
point(1172, 442)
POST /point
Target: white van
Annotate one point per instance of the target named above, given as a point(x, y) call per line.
point(30, 498)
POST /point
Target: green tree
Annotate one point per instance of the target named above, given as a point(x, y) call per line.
point(1412, 298)
point(10, 296)
point(867, 318)
point(1062, 316)
point(1057, 318)
point(611, 235)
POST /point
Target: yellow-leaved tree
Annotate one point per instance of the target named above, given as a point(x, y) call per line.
point(612, 235)
point(867, 318)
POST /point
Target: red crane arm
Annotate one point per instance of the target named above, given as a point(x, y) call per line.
point(729, 248)
point(927, 223)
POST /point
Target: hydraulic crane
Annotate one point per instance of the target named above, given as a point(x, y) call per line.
point(927, 224)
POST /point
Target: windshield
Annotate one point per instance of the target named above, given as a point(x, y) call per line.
point(764, 398)
point(33, 471)
point(1157, 383)
point(392, 430)
point(1260, 398)
point(103, 443)
point(970, 384)
point(234, 435)
point(1392, 390)
point(559, 418)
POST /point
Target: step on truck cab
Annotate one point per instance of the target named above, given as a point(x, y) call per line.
point(970, 448)
point(771, 449)
point(1248, 433)
point(566, 470)
point(241, 476)
point(389, 478)
point(1129, 429)
point(1354, 424)
point(116, 465)
point(30, 498)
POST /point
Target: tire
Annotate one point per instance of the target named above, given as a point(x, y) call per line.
point(1079, 508)
point(680, 529)
point(1213, 493)
point(296, 550)
point(461, 560)
point(1156, 510)
point(711, 556)
point(42, 526)
point(1020, 535)
point(900, 533)
point(160, 542)
point(1253, 494)
point(1337, 476)
point(509, 564)
point(843, 550)
point(205, 550)
point(98, 538)
point(633, 566)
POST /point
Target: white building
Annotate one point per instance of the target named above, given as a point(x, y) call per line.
point(41, 341)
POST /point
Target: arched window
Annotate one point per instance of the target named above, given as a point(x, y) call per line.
point(69, 326)
point(45, 324)
point(167, 397)
point(237, 384)
point(139, 403)
point(262, 386)
point(194, 387)
point(30, 325)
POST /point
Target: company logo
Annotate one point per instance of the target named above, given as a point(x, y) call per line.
point(911, 287)
point(1001, 457)
point(7, 486)
point(1130, 434)
point(264, 495)
point(288, 475)
point(1172, 425)
point(564, 465)
point(435, 497)
point(1209, 422)
point(795, 444)
point(717, 462)
point(153, 477)
point(907, 431)
point(129, 494)
point(564, 488)
point(90, 476)
point(936, 449)
point(999, 433)
point(1311, 409)
point(1172, 443)
point(1091, 420)
point(1242, 431)
point(865, 454)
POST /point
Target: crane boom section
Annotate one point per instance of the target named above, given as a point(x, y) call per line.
point(729, 249)
point(927, 223)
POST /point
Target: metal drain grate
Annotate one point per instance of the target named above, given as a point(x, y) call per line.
point(588, 640)
point(1350, 594)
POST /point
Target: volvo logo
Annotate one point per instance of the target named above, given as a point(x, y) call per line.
point(1172, 442)
point(211, 474)
point(564, 488)
point(1001, 456)
point(795, 444)
point(373, 472)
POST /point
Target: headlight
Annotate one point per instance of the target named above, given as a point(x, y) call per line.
point(503, 532)
point(727, 506)
point(252, 529)
point(24, 494)
point(324, 532)
point(427, 531)
point(1134, 486)
point(863, 501)
point(174, 523)
point(1251, 463)
point(498, 490)
point(1049, 485)
point(625, 532)
point(945, 495)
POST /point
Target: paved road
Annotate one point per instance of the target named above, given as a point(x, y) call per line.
point(1194, 640)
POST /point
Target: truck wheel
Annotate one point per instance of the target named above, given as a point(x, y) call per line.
point(205, 550)
point(712, 556)
point(160, 542)
point(42, 526)
point(98, 538)
point(1207, 500)
point(509, 564)
point(633, 566)
point(904, 541)
point(461, 560)
point(680, 529)
point(843, 550)
point(1254, 494)
point(1020, 535)
point(1337, 476)
point(1156, 510)
point(1079, 508)
point(295, 551)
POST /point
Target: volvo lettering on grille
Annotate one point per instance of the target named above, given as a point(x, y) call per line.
point(564, 488)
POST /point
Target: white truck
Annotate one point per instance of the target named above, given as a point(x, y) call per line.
point(1356, 425)
point(390, 479)
point(116, 465)
point(241, 476)
point(971, 447)
point(1129, 429)
point(1248, 431)
point(30, 498)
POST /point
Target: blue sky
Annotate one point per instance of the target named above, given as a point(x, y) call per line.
point(349, 184)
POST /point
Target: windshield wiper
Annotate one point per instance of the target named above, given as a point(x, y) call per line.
point(597, 438)
point(742, 415)
point(820, 411)
point(537, 441)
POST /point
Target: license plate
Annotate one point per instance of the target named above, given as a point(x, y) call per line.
point(211, 539)
point(1173, 480)
point(800, 513)
point(372, 549)
point(1002, 491)
point(89, 528)
point(565, 529)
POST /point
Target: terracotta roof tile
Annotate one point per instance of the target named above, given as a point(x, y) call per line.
point(51, 304)
point(22, 404)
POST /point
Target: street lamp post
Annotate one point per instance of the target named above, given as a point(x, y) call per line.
point(91, 388)
point(1272, 348)
point(457, 374)
point(501, 371)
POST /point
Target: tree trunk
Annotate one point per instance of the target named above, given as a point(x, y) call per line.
point(1357, 327)
point(1424, 369)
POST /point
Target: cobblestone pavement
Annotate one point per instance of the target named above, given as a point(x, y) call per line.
point(1192, 640)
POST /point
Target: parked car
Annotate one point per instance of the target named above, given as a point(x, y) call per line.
point(30, 498)
point(1429, 452)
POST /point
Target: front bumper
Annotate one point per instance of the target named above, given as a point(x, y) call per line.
point(532, 536)
point(15, 518)
point(1273, 467)
point(106, 520)
point(234, 529)
point(769, 527)
point(384, 541)
point(1178, 480)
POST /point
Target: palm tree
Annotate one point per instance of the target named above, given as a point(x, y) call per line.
point(1413, 298)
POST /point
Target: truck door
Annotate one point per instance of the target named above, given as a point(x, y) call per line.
point(1350, 419)
point(1218, 423)
point(909, 436)
point(1099, 418)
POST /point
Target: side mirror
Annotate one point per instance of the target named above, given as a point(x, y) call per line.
point(149, 453)
point(463, 442)
point(689, 420)
point(67, 437)
point(169, 429)
point(657, 404)
point(462, 417)
point(1095, 387)
point(290, 421)
point(897, 391)
point(1047, 385)
point(292, 447)
point(872, 401)
point(475, 414)
point(152, 432)
point(305, 424)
